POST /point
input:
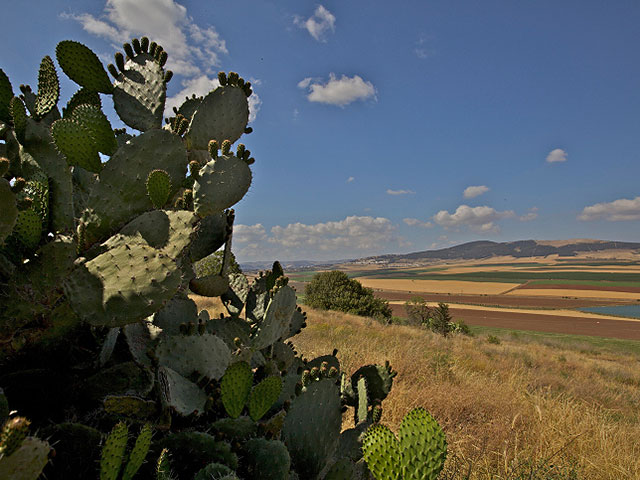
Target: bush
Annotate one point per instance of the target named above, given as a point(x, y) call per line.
point(212, 265)
point(334, 290)
point(441, 321)
point(418, 312)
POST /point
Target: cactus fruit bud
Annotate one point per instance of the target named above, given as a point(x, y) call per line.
point(158, 187)
point(306, 378)
point(222, 78)
point(241, 82)
point(237, 342)
point(119, 58)
point(113, 70)
point(18, 185)
point(4, 166)
point(315, 373)
point(162, 58)
point(152, 48)
point(191, 328)
point(15, 430)
point(233, 78)
point(144, 44)
point(202, 328)
point(128, 50)
point(194, 168)
point(24, 203)
point(376, 413)
point(136, 45)
point(168, 76)
point(248, 130)
point(183, 125)
point(333, 372)
point(240, 150)
point(226, 147)
point(213, 148)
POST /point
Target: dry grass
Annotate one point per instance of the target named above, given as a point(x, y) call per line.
point(436, 286)
point(504, 407)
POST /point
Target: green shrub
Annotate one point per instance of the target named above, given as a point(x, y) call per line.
point(334, 290)
point(493, 339)
point(212, 264)
point(418, 312)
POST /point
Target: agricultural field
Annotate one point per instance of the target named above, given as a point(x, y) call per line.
point(563, 296)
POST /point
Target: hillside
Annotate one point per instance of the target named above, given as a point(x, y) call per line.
point(484, 249)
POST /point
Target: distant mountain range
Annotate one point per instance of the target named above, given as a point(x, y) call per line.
point(522, 248)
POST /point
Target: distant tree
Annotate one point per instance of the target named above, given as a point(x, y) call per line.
point(418, 312)
point(334, 290)
point(212, 264)
point(441, 321)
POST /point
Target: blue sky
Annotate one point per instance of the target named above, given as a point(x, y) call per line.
point(385, 129)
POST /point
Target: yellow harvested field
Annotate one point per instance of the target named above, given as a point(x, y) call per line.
point(558, 292)
point(558, 312)
point(436, 286)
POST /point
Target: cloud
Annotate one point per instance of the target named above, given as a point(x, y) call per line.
point(477, 218)
point(557, 155)
point(400, 192)
point(475, 191)
point(350, 179)
point(338, 91)
point(619, 210)
point(352, 237)
point(422, 50)
point(414, 222)
point(191, 47)
point(321, 22)
point(532, 215)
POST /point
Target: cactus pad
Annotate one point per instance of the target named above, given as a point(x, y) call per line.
point(382, 453)
point(9, 210)
point(82, 66)
point(6, 94)
point(92, 118)
point(209, 286)
point(158, 187)
point(263, 396)
point(221, 184)
point(206, 354)
point(48, 87)
point(277, 318)
point(113, 452)
point(19, 117)
point(266, 460)
point(235, 387)
point(76, 142)
point(82, 97)
point(28, 229)
point(139, 452)
point(27, 462)
point(140, 92)
point(129, 406)
point(184, 396)
point(423, 445)
point(208, 122)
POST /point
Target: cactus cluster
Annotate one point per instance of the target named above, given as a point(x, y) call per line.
point(99, 231)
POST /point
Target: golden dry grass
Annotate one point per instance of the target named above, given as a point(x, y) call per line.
point(502, 406)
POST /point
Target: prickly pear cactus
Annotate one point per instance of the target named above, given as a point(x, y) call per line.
point(99, 230)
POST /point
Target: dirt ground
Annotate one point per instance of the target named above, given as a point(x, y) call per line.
point(543, 322)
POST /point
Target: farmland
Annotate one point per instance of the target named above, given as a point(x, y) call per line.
point(545, 295)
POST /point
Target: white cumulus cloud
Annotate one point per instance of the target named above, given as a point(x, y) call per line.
point(477, 218)
point(338, 91)
point(619, 210)
point(475, 191)
point(350, 179)
point(557, 155)
point(400, 192)
point(414, 222)
point(319, 24)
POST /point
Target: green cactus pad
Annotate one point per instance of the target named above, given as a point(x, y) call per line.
point(423, 445)
point(312, 427)
point(235, 387)
point(122, 285)
point(121, 192)
point(139, 452)
point(77, 449)
point(180, 309)
point(343, 469)
point(14, 431)
point(263, 396)
point(230, 328)
point(222, 183)
point(382, 453)
point(82, 97)
point(92, 118)
point(189, 107)
point(277, 318)
point(113, 452)
point(266, 460)
point(6, 94)
point(235, 429)
point(27, 462)
point(77, 143)
point(28, 229)
point(222, 115)
point(158, 187)
point(138, 338)
point(19, 117)
point(362, 411)
point(184, 396)
point(129, 406)
point(235, 297)
point(379, 380)
point(108, 345)
point(163, 469)
point(209, 237)
point(206, 354)
point(48, 87)
point(209, 286)
point(140, 92)
point(83, 66)
point(9, 210)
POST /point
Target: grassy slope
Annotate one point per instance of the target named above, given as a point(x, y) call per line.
point(559, 401)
